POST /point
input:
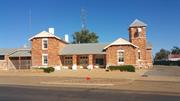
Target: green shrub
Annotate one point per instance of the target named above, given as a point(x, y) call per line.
point(128, 68)
point(48, 69)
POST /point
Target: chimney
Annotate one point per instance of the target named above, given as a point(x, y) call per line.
point(66, 38)
point(51, 30)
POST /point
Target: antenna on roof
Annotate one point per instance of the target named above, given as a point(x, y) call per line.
point(83, 19)
point(30, 20)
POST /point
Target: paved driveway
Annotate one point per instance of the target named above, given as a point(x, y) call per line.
point(170, 71)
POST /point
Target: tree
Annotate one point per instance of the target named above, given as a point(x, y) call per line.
point(162, 55)
point(175, 50)
point(84, 36)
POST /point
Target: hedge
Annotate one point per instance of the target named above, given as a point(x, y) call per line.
point(167, 63)
point(48, 69)
point(128, 68)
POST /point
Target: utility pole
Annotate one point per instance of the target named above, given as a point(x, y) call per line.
point(83, 19)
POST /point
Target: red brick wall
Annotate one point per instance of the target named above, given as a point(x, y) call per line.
point(139, 41)
point(129, 55)
point(36, 52)
point(54, 47)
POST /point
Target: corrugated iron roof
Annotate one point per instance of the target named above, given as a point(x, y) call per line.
point(5, 51)
point(45, 34)
point(120, 41)
point(90, 48)
point(137, 23)
point(21, 53)
point(16, 52)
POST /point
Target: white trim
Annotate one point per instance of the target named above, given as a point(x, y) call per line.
point(43, 59)
point(120, 50)
point(44, 39)
point(120, 63)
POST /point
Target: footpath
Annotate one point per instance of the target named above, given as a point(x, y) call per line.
point(99, 79)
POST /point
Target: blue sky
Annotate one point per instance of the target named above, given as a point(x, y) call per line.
point(108, 18)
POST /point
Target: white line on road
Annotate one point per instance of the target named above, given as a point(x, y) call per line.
point(80, 84)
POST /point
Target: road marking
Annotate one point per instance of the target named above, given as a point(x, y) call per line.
point(80, 84)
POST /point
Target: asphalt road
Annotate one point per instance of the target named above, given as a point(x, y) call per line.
point(22, 93)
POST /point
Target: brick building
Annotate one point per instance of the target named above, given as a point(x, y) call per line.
point(49, 50)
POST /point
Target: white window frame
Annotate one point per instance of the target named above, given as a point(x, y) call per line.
point(118, 51)
point(45, 64)
point(44, 39)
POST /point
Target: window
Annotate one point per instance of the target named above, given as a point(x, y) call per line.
point(83, 60)
point(44, 59)
point(138, 32)
point(44, 43)
point(1, 57)
point(99, 61)
point(120, 56)
point(68, 60)
point(139, 54)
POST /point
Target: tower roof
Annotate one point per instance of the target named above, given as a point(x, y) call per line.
point(137, 23)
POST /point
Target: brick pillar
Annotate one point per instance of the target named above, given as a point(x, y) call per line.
point(74, 59)
point(74, 66)
point(90, 61)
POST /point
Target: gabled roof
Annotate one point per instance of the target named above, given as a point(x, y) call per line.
point(137, 23)
point(120, 41)
point(88, 48)
point(45, 34)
